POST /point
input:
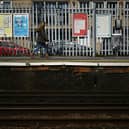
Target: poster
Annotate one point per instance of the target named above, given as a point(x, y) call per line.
point(5, 25)
point(80, 24)
point(21, 25)
point(103, 25)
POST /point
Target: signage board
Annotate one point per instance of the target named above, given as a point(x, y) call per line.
point(5, 25)
point(80, 24)
point(21, 25)
point(103, 25)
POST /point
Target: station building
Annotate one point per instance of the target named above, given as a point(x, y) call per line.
point(104, 29)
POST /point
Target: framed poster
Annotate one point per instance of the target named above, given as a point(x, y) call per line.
point(103, 25)
point(80, 24)
point(5, 25)
point(21, 25)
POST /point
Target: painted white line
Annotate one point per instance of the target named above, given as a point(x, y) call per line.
point(64, 64)
point(113, 64)
point(12, 64)
point(94, 64)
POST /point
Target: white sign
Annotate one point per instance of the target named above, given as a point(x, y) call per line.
point(79, 25)
point(103, 25)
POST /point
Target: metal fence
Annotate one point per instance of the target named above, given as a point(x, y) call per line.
point(59, 29)
point(11, 44)
point(8, 24)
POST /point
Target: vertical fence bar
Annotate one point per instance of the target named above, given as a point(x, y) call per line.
point(45, 11)
point(55, 24)
point(94, 29)
point(72, 28)
point(52, 23)
point(124, 26)
point(90, 29)
point(69, 24)
point(127, 9)
point(59, 24)
point(48, 15)
point(105, 46)
point(33, 27)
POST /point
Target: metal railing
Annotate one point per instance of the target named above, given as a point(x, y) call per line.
point(59, 29)
point(60, 25)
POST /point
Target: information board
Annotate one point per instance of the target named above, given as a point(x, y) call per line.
point(21, 25)
point(80, 23)
point(5, 25)
point(103, 25)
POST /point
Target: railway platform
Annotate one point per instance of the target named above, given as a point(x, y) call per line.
point(65, 61)
point(64, 92)
point(57, 73)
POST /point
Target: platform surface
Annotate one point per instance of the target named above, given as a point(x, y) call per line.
point(60, 60)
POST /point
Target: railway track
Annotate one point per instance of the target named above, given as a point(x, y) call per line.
point(64, 110)
point(66, 119)
point(64, 98)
